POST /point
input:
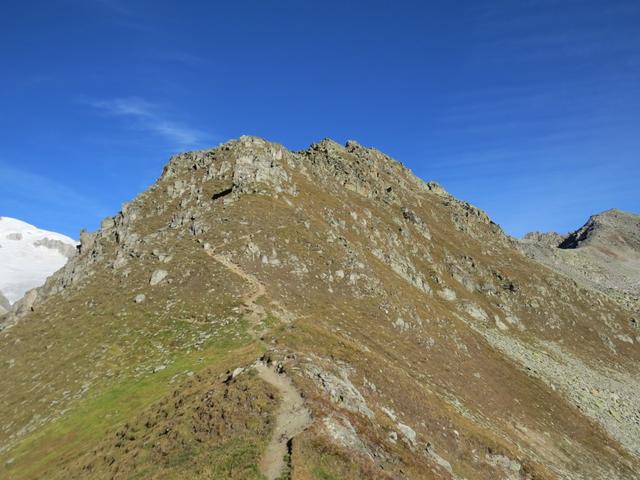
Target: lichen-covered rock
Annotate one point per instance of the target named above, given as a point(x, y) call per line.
point(340, 390)
point(158, 276)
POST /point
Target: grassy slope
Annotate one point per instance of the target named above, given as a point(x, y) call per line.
point(102, 411)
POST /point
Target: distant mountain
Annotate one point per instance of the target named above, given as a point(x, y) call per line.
point(604, 253)
point(28, 255)
point(608, 231)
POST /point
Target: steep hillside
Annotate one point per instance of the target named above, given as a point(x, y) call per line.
point(28, 255)
point(603, 254)
point(323, 314)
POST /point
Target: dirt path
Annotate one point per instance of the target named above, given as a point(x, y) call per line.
point(254, 312)
point(292, 417)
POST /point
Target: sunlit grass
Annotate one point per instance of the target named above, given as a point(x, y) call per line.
point(115, 402)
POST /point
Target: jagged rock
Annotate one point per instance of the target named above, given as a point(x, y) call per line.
point(611, 228)
point(511, 468)
point(447, 294)
point(408, 433)
point(342, 432)
point(430, 450)
point(233, 375)
point(340, 390)
point(260, 166)
point(25, 304)
point(86, 241)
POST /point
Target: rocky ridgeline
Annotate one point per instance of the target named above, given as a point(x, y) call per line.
point(419, 338)
point(251, 165)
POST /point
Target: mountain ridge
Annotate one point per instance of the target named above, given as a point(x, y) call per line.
point(423, 342)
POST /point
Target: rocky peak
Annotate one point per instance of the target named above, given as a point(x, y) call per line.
point(245, 165)
point(609, 227)
point(603, 254)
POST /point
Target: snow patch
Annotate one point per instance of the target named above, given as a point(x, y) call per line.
point(28, 255)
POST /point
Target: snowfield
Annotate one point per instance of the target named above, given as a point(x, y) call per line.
point(28, 256)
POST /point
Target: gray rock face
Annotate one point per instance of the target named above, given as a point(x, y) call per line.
point(19, 309)
point(261, 165)
point(340, 390)
point(64, 248)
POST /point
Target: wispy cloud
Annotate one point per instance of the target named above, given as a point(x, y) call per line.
point(24, 183)
point(141, 114)
point(517, 33)
point(25, 193)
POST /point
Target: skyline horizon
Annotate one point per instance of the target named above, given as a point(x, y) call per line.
point(528, 110)
point(76, 236)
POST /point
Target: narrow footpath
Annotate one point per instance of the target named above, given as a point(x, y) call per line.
point(292, 417)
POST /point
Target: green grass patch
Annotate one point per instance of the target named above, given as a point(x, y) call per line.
point(321, 474)
point(111, 405)
point(271, 321)
point(235, 459)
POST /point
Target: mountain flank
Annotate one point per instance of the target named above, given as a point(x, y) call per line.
point(328, 306)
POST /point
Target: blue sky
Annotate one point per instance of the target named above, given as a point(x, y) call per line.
point(528, 109)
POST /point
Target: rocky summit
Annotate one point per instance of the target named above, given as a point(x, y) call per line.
point(322, 314)
point(603, 254)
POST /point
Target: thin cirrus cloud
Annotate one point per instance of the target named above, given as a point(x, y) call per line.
point(140, 114)
point(551, 31)
point(54, 200)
